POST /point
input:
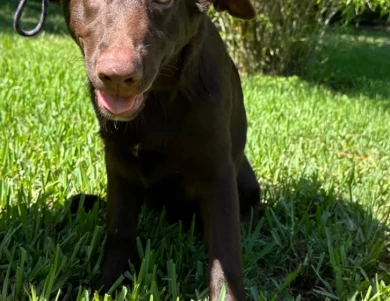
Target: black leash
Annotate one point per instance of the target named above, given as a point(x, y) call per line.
point(38, 27)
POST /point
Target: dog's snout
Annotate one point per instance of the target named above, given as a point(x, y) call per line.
point(118, 68)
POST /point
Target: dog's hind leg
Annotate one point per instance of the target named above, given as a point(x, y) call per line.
point(249, 191)
point(88, 201)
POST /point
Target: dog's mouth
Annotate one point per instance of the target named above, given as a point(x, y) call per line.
point(122, 108)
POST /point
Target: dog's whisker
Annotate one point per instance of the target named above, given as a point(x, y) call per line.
point(166, 75)
point(172, 66)
point(171, 72)
point(169, 68)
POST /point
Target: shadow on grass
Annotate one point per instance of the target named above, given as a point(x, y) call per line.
point(355, 63)
point(46, 246)
point(54, 22)
point(317, 244)
point(309, 242)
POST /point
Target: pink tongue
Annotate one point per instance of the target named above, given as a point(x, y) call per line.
point(115, 105)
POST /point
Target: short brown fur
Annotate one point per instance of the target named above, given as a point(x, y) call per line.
point(184, 148)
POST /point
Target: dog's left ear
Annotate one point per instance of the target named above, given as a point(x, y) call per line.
point(242, 9)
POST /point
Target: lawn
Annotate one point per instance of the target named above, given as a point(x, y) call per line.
point(320, 145)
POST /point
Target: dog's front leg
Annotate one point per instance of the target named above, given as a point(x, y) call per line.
point(220, 214)
point(124, 198)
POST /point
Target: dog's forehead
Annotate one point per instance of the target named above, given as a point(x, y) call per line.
point(132, 3)
point(123, 3)
point(113, 3)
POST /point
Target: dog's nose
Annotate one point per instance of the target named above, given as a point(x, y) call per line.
point(117, 68)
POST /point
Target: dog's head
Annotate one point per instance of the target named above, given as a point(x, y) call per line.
point(126, 43)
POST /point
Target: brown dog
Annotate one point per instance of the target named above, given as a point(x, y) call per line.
point(170, 106)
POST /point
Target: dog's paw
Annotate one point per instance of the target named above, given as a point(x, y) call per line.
point(85, 201)
point(72, 205)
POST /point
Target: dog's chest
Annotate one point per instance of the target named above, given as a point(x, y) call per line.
point(163, 182)
point(148, 161)
point(153, 165)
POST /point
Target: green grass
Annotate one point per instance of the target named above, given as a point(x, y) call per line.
point(320, 146)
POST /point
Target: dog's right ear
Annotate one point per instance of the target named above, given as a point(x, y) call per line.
point(242, 9)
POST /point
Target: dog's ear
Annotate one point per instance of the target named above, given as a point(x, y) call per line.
point(242, 9)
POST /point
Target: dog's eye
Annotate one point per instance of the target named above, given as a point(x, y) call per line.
point(162, 1)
